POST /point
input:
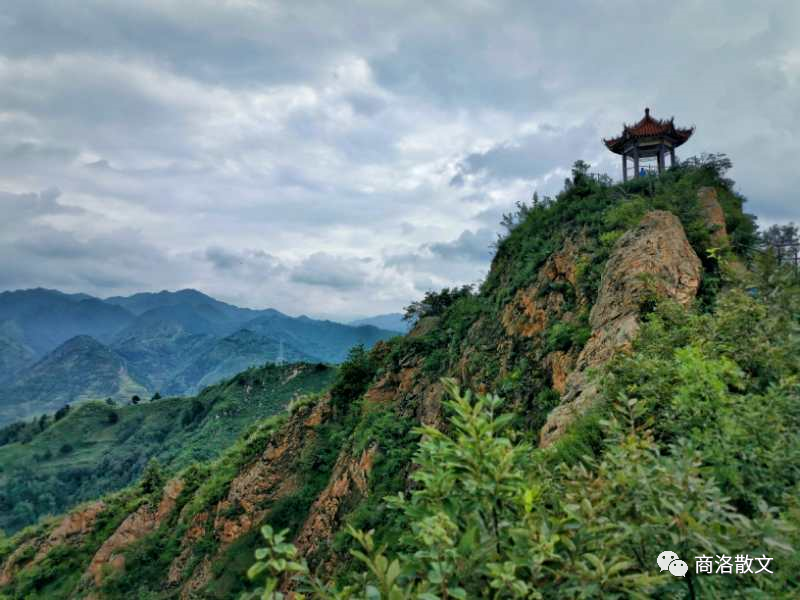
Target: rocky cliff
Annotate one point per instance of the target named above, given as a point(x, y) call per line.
point(651, 261)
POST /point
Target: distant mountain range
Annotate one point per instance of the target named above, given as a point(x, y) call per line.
point(391, 322)
point(57, 348)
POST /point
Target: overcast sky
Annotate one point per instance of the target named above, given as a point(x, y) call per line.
point(339, 159)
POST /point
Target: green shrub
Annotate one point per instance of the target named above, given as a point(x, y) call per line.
point(354, 375)
point(696, 448)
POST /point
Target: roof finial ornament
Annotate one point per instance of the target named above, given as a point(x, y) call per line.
point(647, 111)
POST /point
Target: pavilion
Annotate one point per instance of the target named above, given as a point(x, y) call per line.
point(647, 144)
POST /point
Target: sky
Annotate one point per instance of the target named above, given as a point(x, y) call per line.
point(339, 159)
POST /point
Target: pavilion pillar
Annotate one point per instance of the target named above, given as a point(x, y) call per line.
point(672, 157)
point(624, 167)
point(660, 159)
point(636, 160)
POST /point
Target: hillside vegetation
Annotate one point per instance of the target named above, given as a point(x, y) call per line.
point(635, 374)
point(48, 465)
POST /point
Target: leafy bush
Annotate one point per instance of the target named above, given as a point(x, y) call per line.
point(434, 304)
point(562, 336)
point(153, 478)
point(354, 375)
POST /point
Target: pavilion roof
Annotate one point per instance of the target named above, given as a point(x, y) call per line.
point(649, 127)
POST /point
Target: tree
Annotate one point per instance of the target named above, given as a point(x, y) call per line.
point(354, 375)
point(65, 449)
point(113, 417)
point(783, 240)
point(434, 304)
point(156, 396)
point(62, 412)
point(135, 400)
point(153, 477)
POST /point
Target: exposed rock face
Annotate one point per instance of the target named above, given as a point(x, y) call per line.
point(251, 494)
point(652, 260)
point(197, 529)
point(348, 483)
point(71, 531)
point(560, 364)
point(144, 520)
point(714, 215)
point(75, 525)
point(529, 313)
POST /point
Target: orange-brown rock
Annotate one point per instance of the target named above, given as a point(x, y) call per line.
point(533, 307)
point(652, 260)
point(561, 265)
point(196, 530)
point(559, 364)
point(713, 215)
point(71, 530)
point(12, 563)
point(525, 315)
point(348, 483)
point(146, 519)
point(382, 391)
point(252, 493)
point(75, 525)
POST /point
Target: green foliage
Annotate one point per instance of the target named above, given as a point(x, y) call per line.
point(354, 375)
point(153, 477)
point(562, 336)
point(694, 448)
point(698, 451)
point(110, 446)
point(434, 303)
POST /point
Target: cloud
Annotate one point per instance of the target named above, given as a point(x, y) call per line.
point(472, 246)
point(443, 264)
point(248, 260)
point(531, 155)
point(326, 270)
